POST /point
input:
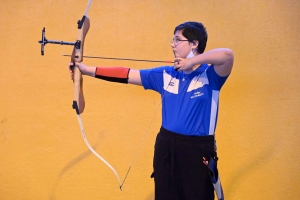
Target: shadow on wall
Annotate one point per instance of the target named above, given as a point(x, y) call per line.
point(71, 164)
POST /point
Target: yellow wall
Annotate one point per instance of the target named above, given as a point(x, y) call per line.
point(42, 153)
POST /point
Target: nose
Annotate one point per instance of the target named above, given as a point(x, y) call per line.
point(173, 44)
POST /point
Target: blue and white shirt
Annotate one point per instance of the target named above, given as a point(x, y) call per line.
point(189, 101)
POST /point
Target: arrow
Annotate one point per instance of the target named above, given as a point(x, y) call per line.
point(130, 59)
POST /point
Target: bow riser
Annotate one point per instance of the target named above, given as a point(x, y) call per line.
point(77, 56)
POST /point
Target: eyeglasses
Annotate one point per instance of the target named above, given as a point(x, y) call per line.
point(176, 41)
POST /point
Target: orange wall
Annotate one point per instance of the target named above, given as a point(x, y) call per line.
point(42, 153)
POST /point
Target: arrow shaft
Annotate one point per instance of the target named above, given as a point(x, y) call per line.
point(129, 59)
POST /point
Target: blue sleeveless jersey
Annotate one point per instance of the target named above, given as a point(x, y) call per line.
point(189, 101)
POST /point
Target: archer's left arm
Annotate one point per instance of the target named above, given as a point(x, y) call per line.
point(113, 74)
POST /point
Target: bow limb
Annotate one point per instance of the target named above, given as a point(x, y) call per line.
point(93, 151)
point(78, 102)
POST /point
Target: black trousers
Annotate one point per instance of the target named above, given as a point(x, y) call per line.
point(179, 172)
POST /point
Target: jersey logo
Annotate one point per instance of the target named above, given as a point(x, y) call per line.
point(170, 84)
point(198, 82)
point(197, 94)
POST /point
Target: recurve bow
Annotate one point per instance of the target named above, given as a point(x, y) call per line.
point(77, 56)
point(78, 102)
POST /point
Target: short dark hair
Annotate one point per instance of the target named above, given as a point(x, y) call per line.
point(194, 31)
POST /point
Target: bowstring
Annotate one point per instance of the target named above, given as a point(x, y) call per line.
point(162, 97)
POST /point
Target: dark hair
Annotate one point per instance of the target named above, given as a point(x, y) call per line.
point(194, 31)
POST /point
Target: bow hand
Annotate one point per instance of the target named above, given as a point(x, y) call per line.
point(82, 68)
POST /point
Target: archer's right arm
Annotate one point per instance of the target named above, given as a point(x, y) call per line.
point(113, 74)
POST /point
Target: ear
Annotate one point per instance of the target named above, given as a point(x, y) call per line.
point(195, 43)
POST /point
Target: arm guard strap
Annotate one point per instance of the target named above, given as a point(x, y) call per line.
point(113, 74)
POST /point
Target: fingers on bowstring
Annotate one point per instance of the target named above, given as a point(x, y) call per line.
point(177, 60)
point(177, 64)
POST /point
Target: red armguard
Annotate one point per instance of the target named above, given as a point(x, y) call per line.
point(114, 74)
